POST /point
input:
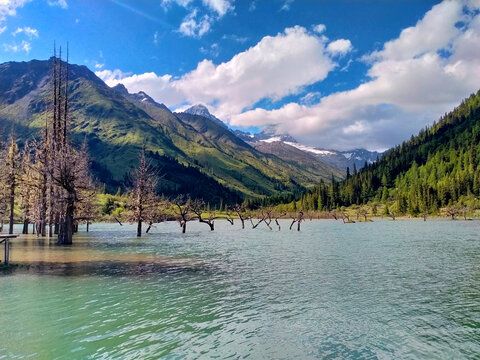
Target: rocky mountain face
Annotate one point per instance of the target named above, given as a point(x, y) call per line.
point(355, 158)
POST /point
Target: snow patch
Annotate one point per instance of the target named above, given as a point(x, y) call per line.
point(310, 149)
point(272, 139)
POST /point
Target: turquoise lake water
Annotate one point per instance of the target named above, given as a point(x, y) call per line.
point(380, 290)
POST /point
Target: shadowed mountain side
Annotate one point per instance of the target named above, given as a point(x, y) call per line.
point(288, 153)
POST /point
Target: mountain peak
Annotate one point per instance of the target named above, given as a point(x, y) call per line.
point(120, 88)
point(201, 110)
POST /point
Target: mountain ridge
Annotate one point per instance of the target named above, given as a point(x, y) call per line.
point(116, 124)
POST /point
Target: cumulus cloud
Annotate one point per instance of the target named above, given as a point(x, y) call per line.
point(193, 25)
point(198, 21)
point(413, 80)
point(319, 28)
point(219, 6)
point(9, 8)
point(277, 66)
point(28, 31)
point(339, 47)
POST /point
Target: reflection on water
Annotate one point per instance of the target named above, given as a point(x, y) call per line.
point(403, 289)
point(93, 255)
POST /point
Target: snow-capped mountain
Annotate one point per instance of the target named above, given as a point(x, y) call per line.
point(339, 159)
point(201, 110)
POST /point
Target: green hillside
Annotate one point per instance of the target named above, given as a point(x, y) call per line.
point(116, 124)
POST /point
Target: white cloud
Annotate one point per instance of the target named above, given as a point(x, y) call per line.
point(213, 50)
point(199, 19)
point(2, 29)
point(155, 38)
point(311, 98)
point(17, 47)
point(61, 3)
point(319, 28)
point(159, 87)
point(414, 79)
point(277, 66)
point(435, 31)
point(182, 3)
point(236, 38)
point(339, 47)
point(9, 8)
point(286, 5)
point(28, 31)
point(219, 6)
point(99, 66)
point(194, 26)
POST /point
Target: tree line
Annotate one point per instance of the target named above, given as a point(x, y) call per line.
point(436, 171)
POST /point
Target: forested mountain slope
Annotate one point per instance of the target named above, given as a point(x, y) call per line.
point(437, 168)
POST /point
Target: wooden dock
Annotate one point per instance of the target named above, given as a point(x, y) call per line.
point(6, 239)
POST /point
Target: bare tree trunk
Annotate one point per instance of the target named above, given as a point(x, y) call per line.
point(67, 226)
point(25, 226)
point(139, 228)
point(12, 207)
point(88, 225)
point(56, 227)
point(43, 208)
point(149, 227)
point(184, 227)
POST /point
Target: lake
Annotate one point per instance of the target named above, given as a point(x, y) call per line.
point(386, 289)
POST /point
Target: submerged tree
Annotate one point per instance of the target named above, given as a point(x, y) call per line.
point(142, 196)
point(182, 208)
point(197, 207)
point(12, 165)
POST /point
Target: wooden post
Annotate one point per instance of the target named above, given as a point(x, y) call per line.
point(7, 250)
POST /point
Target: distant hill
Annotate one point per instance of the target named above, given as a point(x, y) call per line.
point(116, 124)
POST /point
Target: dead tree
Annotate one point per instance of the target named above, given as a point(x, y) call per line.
point(12, 162)
point(240, 210)
point(452, 211)
point(229, 216)
point(363, 211)
point(259, 220)
point(346, 218)
point(182, 209)
point(297, 219)
point(142, 196)
point(334, 214)
point(279, 216)
point(197, 207)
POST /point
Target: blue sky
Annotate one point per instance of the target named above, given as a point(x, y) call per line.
point(334, 74)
